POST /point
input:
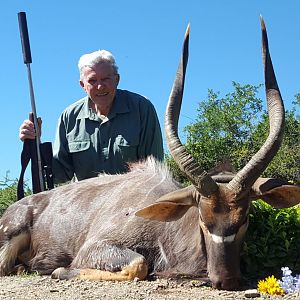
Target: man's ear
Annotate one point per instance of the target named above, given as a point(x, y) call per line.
point(81, 84)
point(117, 80)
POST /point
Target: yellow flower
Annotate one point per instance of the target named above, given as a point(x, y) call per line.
point(270, 286)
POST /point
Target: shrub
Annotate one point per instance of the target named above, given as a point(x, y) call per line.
point(272, 241)
point(8, 193)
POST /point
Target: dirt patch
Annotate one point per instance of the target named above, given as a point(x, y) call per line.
point(45, 288)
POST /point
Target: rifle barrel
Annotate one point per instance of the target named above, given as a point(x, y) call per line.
point(27, 60)
point(37, 129)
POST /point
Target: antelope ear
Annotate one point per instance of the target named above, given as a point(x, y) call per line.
point(169, 207)
point(276, 192)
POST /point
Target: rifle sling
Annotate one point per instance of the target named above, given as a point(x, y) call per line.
point(29, 153)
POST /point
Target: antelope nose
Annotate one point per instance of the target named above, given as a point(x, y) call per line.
point(230, 284)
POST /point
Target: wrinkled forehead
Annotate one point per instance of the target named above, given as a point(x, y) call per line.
point(99, 69)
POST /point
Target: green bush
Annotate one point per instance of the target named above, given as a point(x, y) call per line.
point(272, 241)
point(8, 193)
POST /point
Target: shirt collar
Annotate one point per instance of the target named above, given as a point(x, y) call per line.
point(120, 105)
point(85, 110)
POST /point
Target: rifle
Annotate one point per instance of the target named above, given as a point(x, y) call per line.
point(39, 153)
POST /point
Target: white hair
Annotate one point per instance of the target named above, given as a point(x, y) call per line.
point(94, 58)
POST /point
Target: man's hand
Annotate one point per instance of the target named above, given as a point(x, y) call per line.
point(27, 130)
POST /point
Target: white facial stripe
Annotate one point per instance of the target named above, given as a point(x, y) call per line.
point(230, 238)
point(223, 239)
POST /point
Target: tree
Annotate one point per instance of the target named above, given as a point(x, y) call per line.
point(286, 164)
point(233, 129)
point(297, 100)
point(8, 192)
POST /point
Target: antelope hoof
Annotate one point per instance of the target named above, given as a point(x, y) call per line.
point(65, 274)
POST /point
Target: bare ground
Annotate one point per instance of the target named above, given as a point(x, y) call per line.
point(45, 288)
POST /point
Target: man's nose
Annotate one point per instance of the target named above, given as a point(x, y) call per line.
point(99, 84)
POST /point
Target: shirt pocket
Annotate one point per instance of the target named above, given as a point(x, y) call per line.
point(79, 146)
point(127, 149)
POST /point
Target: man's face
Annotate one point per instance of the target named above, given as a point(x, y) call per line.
point(100, 83)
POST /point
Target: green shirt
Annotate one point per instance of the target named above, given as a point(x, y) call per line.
point(86, 145)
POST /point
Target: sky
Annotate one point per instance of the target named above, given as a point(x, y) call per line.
point(146, 39)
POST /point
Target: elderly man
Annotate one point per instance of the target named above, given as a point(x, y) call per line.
point(105, 130)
